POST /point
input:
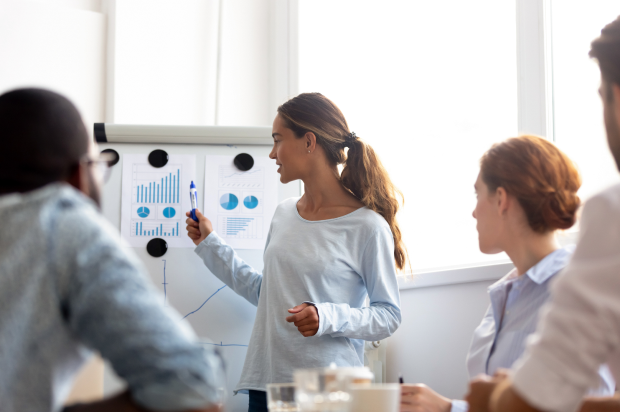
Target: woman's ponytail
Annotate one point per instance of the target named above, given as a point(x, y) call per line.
point(363, 174)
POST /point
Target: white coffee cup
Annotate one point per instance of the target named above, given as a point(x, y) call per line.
point(380, 397)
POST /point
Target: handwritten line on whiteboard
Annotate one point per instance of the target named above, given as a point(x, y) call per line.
point(223, 344)
point(214, 293)
point(165, 283)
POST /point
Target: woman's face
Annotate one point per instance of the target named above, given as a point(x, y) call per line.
point(289, 152)
point(488, 221)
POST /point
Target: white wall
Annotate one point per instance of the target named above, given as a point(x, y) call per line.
point(431, 344)
point(163, 61)
point(198, 62)
point(55, 45)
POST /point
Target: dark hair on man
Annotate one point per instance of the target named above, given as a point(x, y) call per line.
point(606, 50)
point(42, 139)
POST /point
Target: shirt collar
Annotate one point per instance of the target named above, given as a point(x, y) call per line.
point(550, 264)
point(543, 270)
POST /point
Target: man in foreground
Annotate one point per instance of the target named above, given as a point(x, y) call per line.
point(69, 289)
point(581, 327)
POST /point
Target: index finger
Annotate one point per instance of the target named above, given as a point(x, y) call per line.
point(410, 388)
point(192, 222)
point(297, 317)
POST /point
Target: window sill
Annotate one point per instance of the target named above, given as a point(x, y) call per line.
point(454, 276)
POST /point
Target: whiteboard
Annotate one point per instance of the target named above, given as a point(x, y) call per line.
point(216, 313)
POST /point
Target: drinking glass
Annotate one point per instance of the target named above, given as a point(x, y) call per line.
point(281, 397)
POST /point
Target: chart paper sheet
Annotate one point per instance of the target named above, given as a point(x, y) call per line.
point(155, 200)
point(240, 204)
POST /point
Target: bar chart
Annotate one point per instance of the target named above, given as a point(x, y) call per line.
point(152, 185)
point(150, 228)
point(241, 227)
point(155, 199)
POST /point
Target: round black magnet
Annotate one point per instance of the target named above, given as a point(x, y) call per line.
point(158, 158)
point(114, 156)
point(157, 247)
point(244, 161)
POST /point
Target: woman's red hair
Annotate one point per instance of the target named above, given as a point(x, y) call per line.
point(542, 178)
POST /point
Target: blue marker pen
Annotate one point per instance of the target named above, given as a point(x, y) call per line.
point(193, 195)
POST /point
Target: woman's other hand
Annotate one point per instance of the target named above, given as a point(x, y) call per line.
point(306, 318)
point(198, 231)
point(421, 398)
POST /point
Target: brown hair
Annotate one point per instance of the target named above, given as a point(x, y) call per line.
point(606, 49)
point(542, 178)
point(363, 175)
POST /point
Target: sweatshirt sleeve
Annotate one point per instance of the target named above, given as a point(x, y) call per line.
point(227, 266)
point(111, 306)
point(382, 317)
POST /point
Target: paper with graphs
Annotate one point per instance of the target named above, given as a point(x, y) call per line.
point(240, 204)
point(154, 200)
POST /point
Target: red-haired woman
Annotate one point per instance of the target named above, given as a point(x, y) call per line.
point(325, 252)
point(526, 191)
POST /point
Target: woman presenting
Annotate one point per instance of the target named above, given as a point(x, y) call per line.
point(324, 253)
point(526, 191)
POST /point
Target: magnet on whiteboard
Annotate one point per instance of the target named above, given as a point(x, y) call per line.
point(157, 247)
point(244, 162)
point(115, 157)
point(158, 158)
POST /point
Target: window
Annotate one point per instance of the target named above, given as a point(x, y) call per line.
point(430, 85)
point(578, 113)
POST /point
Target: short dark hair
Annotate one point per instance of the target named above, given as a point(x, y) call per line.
point(42, 139)
point(606, 50)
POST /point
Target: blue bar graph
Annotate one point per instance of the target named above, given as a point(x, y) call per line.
point(167, 190)
point(155, 228)
point(234, 225)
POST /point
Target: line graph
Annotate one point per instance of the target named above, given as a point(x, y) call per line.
point(209, 298)
point(231, 177)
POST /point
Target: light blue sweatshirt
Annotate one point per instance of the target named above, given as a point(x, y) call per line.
point(68, 289)
point(334, 263)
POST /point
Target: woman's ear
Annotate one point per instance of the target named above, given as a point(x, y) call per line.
point(502, 200)
point(310, 139)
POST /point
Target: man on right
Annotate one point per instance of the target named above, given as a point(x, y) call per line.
point(580, 328)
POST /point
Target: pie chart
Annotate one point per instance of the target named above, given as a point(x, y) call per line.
point(169, 212)
point(229, 201)
point(250, 202)
point(143, 211)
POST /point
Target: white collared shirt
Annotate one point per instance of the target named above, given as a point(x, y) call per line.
point(512, 316)
point(580, 327)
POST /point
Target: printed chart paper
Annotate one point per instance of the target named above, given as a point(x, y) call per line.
point(241, 204)
point(155, 200)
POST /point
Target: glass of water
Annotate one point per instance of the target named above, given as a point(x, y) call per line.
point(281, 397)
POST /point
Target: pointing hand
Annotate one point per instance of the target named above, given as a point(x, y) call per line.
point(198, 231)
